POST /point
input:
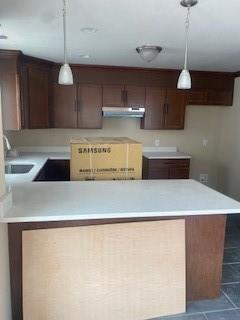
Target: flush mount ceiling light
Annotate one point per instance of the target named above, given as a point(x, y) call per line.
point(89, 30)
point(65, 75)
point(3, 36)
point(148, 53)
point(84, 56)
point(184, 81)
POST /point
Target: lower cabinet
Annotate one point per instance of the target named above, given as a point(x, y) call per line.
point(166, 168)
point(54, 170)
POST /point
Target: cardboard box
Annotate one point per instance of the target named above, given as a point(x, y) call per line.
point(106, 159)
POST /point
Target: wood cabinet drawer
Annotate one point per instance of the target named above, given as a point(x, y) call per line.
point(179, 173)
point(166, 168)
point(159, 163)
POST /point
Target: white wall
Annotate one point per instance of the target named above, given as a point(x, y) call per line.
point(5, 302)
point(202, 122)
point(229, 148)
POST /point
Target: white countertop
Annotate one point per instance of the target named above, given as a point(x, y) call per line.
point(56, 201)
point(166, 155)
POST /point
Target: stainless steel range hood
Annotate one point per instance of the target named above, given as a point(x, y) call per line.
point(123, 112)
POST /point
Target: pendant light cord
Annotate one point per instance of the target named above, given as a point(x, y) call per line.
point(64, 32)
point(187, 37)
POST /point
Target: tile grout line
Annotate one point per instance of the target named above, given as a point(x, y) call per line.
point(205, 316)
point(219, 310)
point(226, 295)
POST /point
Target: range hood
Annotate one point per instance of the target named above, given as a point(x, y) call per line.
point(123, 112)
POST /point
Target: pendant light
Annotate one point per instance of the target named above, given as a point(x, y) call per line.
point(184, 80)
point(65, 75)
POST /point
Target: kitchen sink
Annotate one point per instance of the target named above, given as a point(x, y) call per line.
point(18, 168)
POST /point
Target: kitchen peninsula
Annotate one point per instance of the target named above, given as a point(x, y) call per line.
point(41, 209)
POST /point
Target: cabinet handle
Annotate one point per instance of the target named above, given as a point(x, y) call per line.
point(76, 105)
point(122, 96)
point(166, 108)
point(126, 97)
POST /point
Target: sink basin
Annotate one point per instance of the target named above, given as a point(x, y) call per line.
point(18, 168)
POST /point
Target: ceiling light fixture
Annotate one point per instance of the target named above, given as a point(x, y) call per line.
point(3, 36)
point(84, 56)
point(184, 80)
point(65, 75)
point(89, 30)
point(148, 53)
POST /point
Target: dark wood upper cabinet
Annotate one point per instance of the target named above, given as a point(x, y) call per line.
point(135, 96)
point(165, 109)
point(64, 106)
point(217, 97)
point(11, 103)
point(154, 113)
point(114, 96)
point(25, 90)
point(89, 107)
point(197, 97)
point(28, 93)
point(38, 97)
point(220, 97)
point(174, 112)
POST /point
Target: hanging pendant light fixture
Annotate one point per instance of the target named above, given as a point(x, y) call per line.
point(184, 80)
point(65, 75)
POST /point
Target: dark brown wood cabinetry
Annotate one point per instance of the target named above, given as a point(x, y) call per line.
point(29, 92)
point(77, 106)
point(214, 97)
point(165, 109)
point(174, 109)
point(25, 90)
point(89, 107)
point(135, 96)
point(114, 96)
point(64, 107)
point(11, 103)
point(166, 168)
point(54, 170)
point(37, 101)
point(123, 96)
point(154, 109)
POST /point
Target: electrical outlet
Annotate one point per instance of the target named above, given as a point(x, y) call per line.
point(157, 143)
point(205, 142)
point(203, 178)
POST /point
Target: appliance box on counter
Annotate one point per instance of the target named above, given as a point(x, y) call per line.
point(106, 159)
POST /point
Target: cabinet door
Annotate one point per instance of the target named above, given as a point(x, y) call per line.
point(38, 97)
point(10, 98)
point(154, 114)
point(220, 97)
point(135, 96)
point(157, 169)
point(90, 107)
point(114, 96)
point(175, 109)
point(64, 106)
point(197, 97)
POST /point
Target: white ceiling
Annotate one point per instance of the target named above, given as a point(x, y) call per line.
point(35, 27)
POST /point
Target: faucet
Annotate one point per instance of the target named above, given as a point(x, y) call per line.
point(9, 148)
point(11, 152)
